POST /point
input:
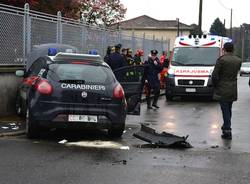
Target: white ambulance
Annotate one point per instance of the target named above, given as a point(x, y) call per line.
point(191, 65)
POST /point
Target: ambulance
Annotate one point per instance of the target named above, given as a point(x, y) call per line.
point(191, 65)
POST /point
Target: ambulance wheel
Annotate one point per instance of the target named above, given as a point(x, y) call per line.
point(32, 129)
point(116, 131)
point(169, 97)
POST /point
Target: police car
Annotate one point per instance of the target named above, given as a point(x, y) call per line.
point(77, 91)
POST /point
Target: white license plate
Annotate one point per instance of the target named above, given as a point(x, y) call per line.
point(190, 90)
point(83, 118)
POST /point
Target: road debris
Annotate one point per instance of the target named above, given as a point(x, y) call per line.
point(163, 139)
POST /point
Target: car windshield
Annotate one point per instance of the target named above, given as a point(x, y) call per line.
point(81, 72)
point(195, 56)
point(246, 64)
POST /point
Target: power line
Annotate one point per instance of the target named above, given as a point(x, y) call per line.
point(223, 5)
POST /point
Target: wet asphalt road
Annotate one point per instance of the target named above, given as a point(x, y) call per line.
point(94, 158)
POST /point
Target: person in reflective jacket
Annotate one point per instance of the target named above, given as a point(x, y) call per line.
point(152, 69)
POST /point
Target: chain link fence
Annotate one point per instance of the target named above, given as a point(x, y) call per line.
point(21, 29)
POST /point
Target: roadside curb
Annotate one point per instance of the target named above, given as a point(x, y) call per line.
point(20, 132)
point(12, 128)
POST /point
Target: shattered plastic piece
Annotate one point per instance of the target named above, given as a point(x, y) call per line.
point(63, 141)
point(163, 139)
point(5, 127)
point(215, 146)
point(15, 128)
point(12, 124)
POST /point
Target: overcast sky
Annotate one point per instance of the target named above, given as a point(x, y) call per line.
point(188, 10)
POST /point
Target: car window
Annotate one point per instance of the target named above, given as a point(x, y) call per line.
point(36, 66)
point(88, 73)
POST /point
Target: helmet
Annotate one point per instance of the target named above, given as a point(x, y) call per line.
point(93, 52)
point(139, 52)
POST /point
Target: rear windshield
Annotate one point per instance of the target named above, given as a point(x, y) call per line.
point(87, 73)
point(195, 56)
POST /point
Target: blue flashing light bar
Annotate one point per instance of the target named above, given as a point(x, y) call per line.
point(52, 51)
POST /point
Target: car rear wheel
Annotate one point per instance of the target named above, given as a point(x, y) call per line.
point(116, 131)
point(32, 129)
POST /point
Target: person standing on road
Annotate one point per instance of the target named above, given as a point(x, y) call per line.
point(224, 79)
point(137, 57)
point(116, 60)
point(152, 69)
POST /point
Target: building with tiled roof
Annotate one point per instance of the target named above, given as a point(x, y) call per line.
point(152, 28)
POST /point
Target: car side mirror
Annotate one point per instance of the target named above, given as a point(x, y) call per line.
point(20, 73)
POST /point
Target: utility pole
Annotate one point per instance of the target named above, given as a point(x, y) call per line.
point(200, 17)
point(178, 26)
point(242, 42)
point(231, 24)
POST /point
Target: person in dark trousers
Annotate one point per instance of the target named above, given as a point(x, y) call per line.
point(224, 79)
point(116, 60)
point(108, 52)
point(152, 69)
point(124, 54)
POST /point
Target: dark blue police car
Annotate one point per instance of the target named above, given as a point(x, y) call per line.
point(76, 91)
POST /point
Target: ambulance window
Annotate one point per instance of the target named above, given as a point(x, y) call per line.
point(196, 56)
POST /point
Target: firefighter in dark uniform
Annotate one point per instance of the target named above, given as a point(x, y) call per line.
point(224, 78)
point(152, 69)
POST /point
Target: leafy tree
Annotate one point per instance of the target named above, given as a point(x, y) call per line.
point(195, 29)
point(95, 12)
point(102, 12)
point(218, 28)
point(20, 3)
point(68, 8)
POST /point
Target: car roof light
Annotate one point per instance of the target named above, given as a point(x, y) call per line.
point(52, 51)
point(72, 56)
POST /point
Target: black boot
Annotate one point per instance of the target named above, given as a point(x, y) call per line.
point(149, 103)
point(226, 134)
point(155, 103)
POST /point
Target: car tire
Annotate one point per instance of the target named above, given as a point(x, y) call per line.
point(32, 129)
point(116, 131)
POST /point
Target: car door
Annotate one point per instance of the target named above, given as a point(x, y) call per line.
point(29, 78)
point(132, 80)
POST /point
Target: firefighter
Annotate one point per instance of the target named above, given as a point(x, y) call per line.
point(164, 63)
point(152, 68)
point(137, 57)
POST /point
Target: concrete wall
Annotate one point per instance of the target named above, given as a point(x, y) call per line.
point(8, 89)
